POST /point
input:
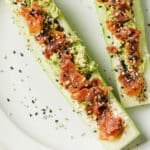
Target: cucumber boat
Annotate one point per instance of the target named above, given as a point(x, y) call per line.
point(66, 62)
point(122, 23)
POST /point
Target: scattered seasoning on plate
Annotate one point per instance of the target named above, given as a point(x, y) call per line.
point(21, 54)
point(36, 113)
point(8, 100)
point(56, 121)
point(20, 71)
point(11, 67)
point(14, 52)
point(30, 115)
point(50, 111)
point(43, 109)
point(44, 112)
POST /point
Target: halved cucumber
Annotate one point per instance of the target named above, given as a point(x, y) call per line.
point(52, 69)
point(128, 101)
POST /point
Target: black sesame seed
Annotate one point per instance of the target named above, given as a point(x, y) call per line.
point(108, 37)
point(94, 131)
point(43, 109)
point(15, 3)
point(21, 54)
point(33, 101)
point(36, 113)
point(20, 71)
point(30, 115)
point(116, 70)
point(142, 60)
point(14, 52)
point(97, 119)
point(56, 121)
point(12, 68)
point(8, 100)
point(50, 111)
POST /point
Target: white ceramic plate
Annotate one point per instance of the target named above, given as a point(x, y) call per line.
point(26, 90)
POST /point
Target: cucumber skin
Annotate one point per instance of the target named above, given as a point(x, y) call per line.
point(126, 100)
point(131, 132)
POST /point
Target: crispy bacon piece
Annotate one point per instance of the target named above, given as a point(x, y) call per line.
point(110, 127)
point(80, 96)
point(132, 83)
point(34, 17)
point(93, 92)
point(114, 26)
point(128, 33)
point(96, 109)
point(121, 15)
point(70, 78)
point(112, 49)
point(120, 4)
point(133, 53)
point(55, 46)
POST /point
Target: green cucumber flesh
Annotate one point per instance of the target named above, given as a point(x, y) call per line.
point(126, 100)
point(52, 69)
